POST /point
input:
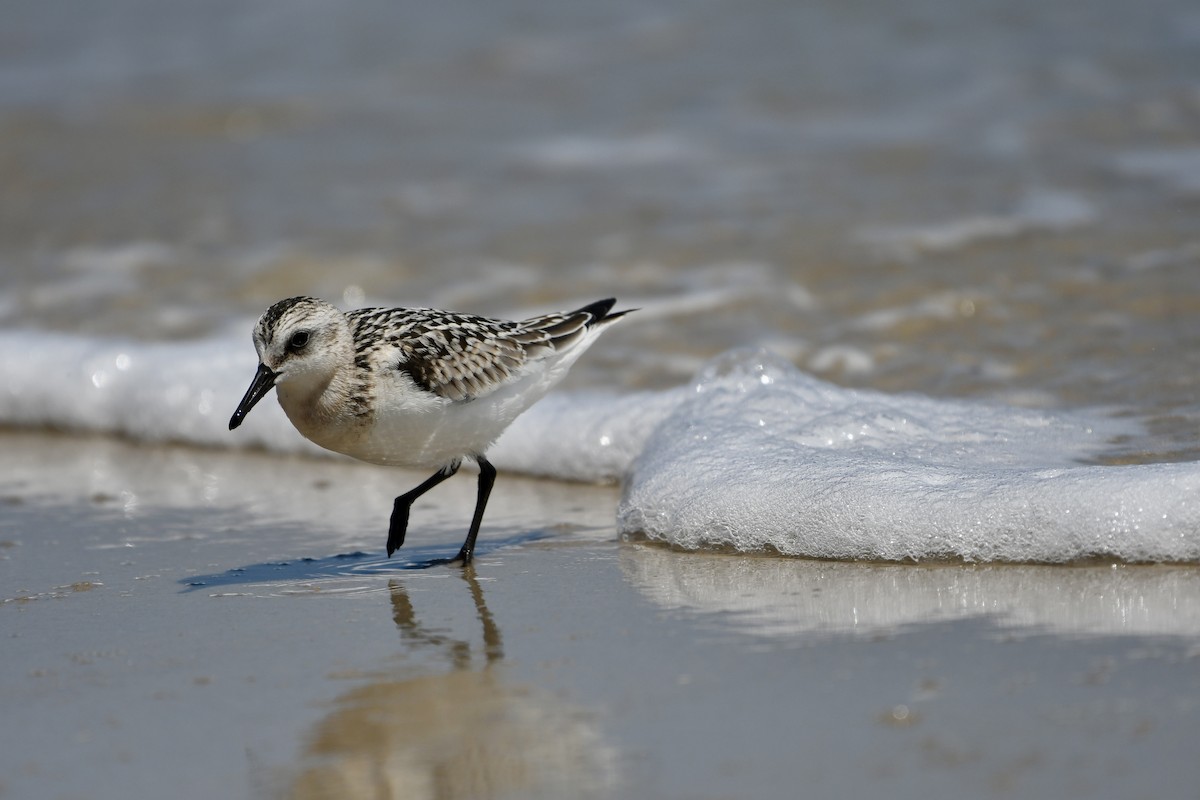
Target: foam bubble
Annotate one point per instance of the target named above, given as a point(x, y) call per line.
point(606, 153)
point(186, 391)
point(754, 455)
point(583, 436)
point(177, 392)
point(765, 458)
point(1178, 169)
point(1041, 210)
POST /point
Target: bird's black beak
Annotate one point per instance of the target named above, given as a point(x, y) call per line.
point(264, 381)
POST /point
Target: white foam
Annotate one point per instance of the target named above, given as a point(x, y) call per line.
point(583, 152)
point(949, 305)
point(755, 455)
point(1178, 169)
point(583, 436)
point(186, 391)
point(1042, 210)
point(178, 392)
point(764, 458)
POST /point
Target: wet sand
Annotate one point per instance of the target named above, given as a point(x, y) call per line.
point(187, 623)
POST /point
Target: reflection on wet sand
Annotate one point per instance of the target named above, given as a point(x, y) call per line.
point(787, 597)
point(465, 732)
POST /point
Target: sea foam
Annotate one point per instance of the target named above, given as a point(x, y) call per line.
point(764, 458)
point(158, 392)
point(754, 455)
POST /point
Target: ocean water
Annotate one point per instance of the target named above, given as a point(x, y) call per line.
point(915, 283)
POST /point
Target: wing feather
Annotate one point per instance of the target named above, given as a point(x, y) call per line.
point(461, 356)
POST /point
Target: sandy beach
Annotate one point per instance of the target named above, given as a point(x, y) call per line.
point(196, 624)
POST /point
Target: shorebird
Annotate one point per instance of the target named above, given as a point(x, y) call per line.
point(413, 387)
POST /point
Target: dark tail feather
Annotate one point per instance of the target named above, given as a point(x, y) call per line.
point(569, 327)
point(599, 311)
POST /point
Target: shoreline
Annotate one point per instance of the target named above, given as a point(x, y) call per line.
point(225, 624)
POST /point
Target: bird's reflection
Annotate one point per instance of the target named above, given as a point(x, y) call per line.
point(462, 730)
point(459, 651)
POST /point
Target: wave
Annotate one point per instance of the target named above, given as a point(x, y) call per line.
point(754, 455)
point(1040, 211)
point(762, 457)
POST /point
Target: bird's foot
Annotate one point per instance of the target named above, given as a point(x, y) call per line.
point(457, 560)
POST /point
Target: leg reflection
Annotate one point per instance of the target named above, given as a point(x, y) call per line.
point(458, 650)
point(462, 729)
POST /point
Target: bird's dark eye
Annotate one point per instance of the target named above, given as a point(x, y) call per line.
point(298, 341)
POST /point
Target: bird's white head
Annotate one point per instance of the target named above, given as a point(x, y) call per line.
point(301, 343)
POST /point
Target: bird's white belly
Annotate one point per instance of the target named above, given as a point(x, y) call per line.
point(423, 430)
point(426, 438)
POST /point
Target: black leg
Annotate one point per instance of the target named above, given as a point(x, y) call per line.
point(487, 477)
point(399, 523)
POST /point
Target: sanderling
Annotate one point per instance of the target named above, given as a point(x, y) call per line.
point(413, 387)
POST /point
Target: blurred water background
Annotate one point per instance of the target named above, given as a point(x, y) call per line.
point(992, 200)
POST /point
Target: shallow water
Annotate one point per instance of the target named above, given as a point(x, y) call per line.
point(210, 624)
point(995, 202)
